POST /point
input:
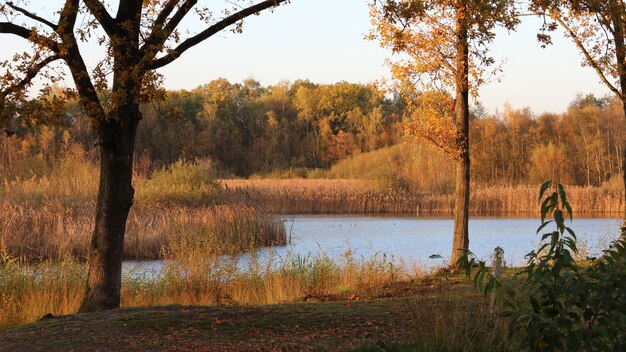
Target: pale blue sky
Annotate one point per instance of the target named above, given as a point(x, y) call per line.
point(322, 40)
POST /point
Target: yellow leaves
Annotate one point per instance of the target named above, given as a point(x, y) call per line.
point(426, 35)
point(432, 120)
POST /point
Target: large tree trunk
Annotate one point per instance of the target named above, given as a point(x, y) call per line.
point(460, 242)
point(115, 197)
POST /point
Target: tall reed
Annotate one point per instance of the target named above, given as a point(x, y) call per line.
point(190, 277)
point(355, 196)
point(55, 231)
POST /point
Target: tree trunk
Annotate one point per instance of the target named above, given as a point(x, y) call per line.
point(460, 242)
point(619, 36)
point(115, 198)
point(624, 161)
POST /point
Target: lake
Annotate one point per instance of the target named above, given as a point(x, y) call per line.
point(411, 240)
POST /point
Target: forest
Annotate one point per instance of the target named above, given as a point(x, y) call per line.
point(342, 130)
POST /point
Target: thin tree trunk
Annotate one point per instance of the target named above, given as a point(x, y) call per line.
point(619, 36)
point(115, 198)
point(624, 175)
point(460, 242)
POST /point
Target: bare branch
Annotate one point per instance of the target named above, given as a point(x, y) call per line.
point(30, 74)
point(102, 15)
point(162, 17)
point(212, 30)
point(31, 15)
point(588, 56)
point(10, 28)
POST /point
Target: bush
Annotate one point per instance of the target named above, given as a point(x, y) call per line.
point(557, 304)
point(193, 183)
point(614, 185)
point(406, 166)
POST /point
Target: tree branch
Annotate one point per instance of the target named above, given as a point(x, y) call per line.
point(162, 17)
point(128, 9)
point(161, 31)
point(30, 35)
point(588, 56)
point(19, 86)
point(31, 15)
point(67, 18)
point(30, 74)
point(212, 30)
point(10, 28)
point(102, 15)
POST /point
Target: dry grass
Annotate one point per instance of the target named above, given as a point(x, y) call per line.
point(314, 196)
point(27, 292)
point(523, 199)
point(52, 217)
point(55, 231)
point(355, 196)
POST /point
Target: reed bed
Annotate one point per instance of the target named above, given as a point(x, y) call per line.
point(319, 196)
point(28, 292)
point(308, 196)
point(56, 231)
point(523, 200)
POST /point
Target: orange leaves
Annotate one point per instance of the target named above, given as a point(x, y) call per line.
point(425, 36)
point(432, 120)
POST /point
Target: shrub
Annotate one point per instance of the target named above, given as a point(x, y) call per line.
point(183, 182)
point(557, 304)
point(615, 184)
point(405, 166)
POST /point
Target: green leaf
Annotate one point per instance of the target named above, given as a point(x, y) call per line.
point(561, 193)
point(569, 210)
point(571, 232)
point(544, 209)
point(509, 291)
point(543, 225)
point(560, 221)
point(543, 189)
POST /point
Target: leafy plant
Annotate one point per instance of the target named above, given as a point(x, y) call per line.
point(555, 303)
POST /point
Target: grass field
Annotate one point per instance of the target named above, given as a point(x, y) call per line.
point(437, 313)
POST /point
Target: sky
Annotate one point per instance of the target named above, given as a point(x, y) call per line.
point(323, 41)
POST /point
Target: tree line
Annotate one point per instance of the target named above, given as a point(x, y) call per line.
point(251, 129)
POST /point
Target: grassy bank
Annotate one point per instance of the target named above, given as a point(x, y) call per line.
point(437, 313)
point(192, 275)
point(336, 196)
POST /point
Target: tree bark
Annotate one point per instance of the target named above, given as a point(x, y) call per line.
point(460, 242)
point(115, 198)
point(617, 17)
point(624, 175)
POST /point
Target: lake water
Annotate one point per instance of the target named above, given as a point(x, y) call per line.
point(411, 240)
